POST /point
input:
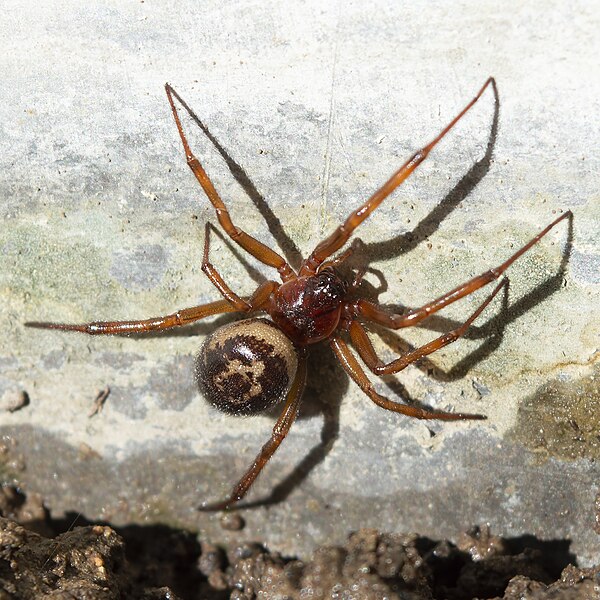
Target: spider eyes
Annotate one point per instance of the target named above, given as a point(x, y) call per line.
point(330, 288)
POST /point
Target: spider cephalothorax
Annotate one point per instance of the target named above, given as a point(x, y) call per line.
point(308, 308)
point(249, 365)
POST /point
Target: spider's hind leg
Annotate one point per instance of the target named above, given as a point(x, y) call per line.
point(358, 375)
point(364, 347)
point(280, 431)
point(177, 319)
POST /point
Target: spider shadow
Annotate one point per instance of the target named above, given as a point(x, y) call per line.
point(370, 252)
point(392, 248)
point(326, 399)
point(406, 242)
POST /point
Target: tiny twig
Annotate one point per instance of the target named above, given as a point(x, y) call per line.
point(99, 401)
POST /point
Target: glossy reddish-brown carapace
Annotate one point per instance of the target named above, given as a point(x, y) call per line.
point(254, 363)
point(308, 309)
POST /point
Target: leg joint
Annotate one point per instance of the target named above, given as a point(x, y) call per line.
point(379, 368)
point(451, 336)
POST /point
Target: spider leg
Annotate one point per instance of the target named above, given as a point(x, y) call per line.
point(337, 260)
point(280, 431)
point(375, 313)
point(177, 319)
point(364, 347)
point(341, 235)
point(261, 252)
point(215, 277)
point(358, 375)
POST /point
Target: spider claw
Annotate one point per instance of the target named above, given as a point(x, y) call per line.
point(471, 417)
point(216, 506)
point(47, 325)
point(449, 416)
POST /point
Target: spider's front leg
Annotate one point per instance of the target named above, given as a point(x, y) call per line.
point(280, 431)
point(342, 234)
point(259, 250)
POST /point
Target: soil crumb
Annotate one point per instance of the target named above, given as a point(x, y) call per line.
point(157, 562)
point(561, 420)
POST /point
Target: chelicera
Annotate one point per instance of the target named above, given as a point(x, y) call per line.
point(249, 365)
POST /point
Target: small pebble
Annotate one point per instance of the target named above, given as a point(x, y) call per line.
point(232, 522)
point(17, 402)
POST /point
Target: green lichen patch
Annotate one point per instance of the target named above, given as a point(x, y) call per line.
point(562, 419)
point(37, 263)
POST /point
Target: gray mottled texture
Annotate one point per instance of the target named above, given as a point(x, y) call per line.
point(314, 105)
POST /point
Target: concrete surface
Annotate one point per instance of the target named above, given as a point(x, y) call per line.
point(313, 105)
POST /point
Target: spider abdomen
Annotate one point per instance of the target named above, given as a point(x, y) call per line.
point(246, 366)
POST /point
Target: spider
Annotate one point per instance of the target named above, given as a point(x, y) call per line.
point(248, 365)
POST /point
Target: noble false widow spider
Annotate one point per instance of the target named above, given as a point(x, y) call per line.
point(248, 365)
